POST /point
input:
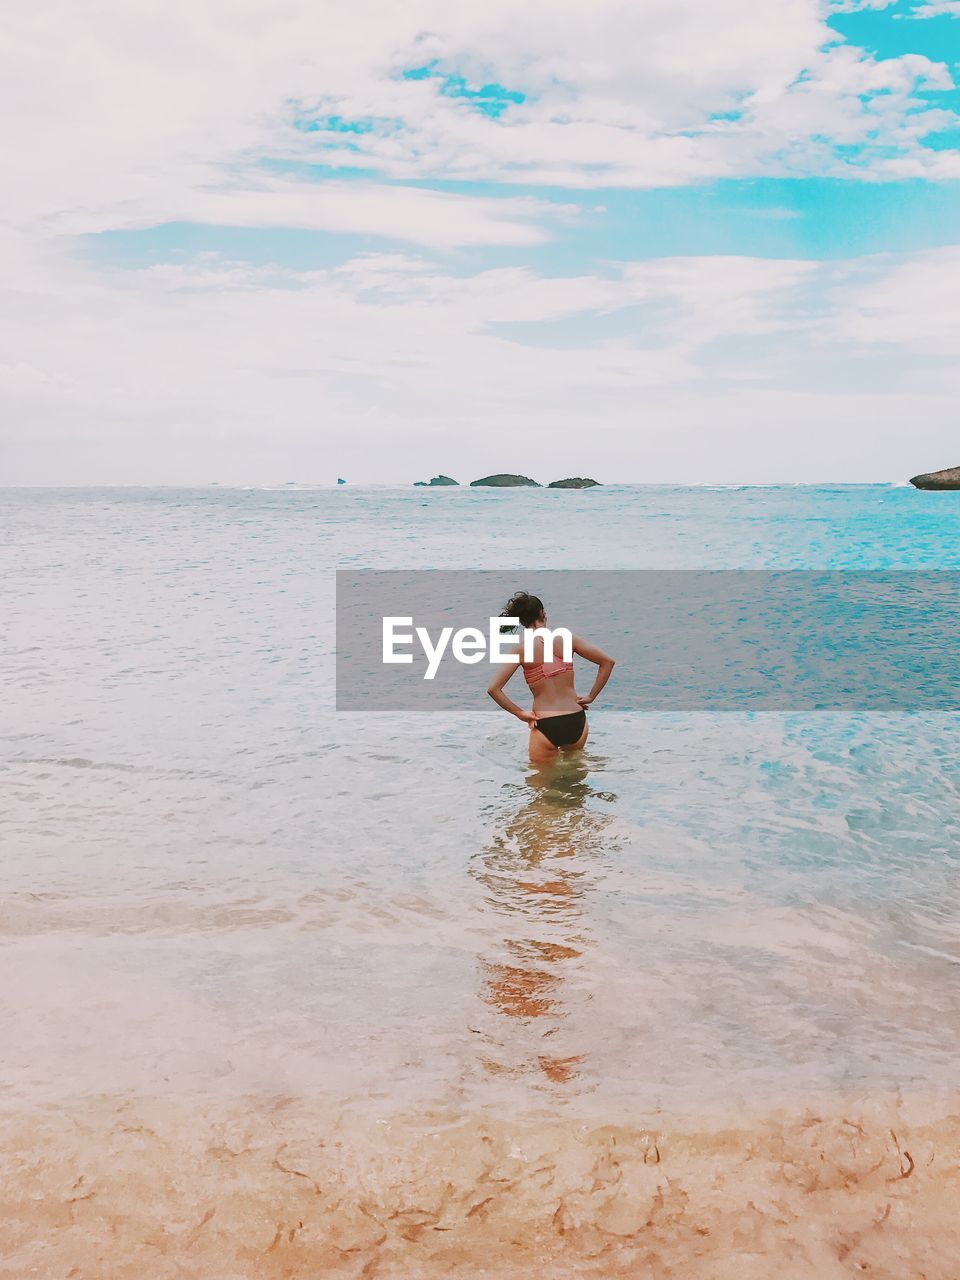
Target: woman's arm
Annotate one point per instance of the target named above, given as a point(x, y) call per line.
point(603, 661)
point(495, 691)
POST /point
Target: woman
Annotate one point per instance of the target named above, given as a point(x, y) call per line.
point(558, 721)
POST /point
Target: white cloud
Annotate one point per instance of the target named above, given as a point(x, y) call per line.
point(388, 365)
point(937, 9)
point(854, 6)
point(411, 214)
point(789, 111)
point(130, 114)
point(920, 8)
point(911, 306)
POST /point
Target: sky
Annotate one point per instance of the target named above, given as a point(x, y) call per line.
point(665, 241)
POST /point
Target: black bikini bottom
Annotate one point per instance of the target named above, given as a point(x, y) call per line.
point(563, 731)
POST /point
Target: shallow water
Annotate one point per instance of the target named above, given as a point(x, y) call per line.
point(215, 887)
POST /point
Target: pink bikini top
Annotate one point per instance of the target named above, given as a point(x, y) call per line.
point(544, 670)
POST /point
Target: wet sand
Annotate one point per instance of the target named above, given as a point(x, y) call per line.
point(278, 1188)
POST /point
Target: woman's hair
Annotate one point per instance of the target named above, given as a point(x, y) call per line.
point(524, 606)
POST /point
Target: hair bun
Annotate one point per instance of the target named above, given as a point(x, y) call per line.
point(528, 608)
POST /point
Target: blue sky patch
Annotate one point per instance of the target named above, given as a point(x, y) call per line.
point(808, 218)
point(891, 32)
point(490, 99)
point(345, 126)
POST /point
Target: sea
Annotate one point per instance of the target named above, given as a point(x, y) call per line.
point(241, 921)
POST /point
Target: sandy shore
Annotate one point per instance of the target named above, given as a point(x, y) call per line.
point(279, 1189)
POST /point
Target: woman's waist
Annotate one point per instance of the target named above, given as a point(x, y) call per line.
point(560, 702)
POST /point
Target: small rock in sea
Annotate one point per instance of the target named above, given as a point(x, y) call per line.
point(574, 482)
point(504, 480)
point(435, 483)
point(947, 479)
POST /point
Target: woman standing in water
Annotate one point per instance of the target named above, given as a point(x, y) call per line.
point(558, 721)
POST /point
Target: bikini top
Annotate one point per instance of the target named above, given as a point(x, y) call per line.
point(541, 671)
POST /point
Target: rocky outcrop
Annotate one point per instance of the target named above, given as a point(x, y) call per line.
point(574, 482)
point(948, 479)
point(504, 480)
point(436, 483)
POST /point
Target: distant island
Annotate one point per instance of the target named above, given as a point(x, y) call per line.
point(946, 479)
point(507, 480)
point(504, 480)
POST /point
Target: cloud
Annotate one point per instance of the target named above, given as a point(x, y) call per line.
point(919, 8)
point(216, 369)
point(678, 101)
point(409, 214)
point(910, 306)
point(937, 9)
point(129, 115)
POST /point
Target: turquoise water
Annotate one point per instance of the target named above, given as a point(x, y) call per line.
point(214, 884)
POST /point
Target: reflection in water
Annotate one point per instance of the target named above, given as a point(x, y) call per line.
point(536, 873)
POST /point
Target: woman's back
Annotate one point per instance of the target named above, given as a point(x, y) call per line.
point(550, 680)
